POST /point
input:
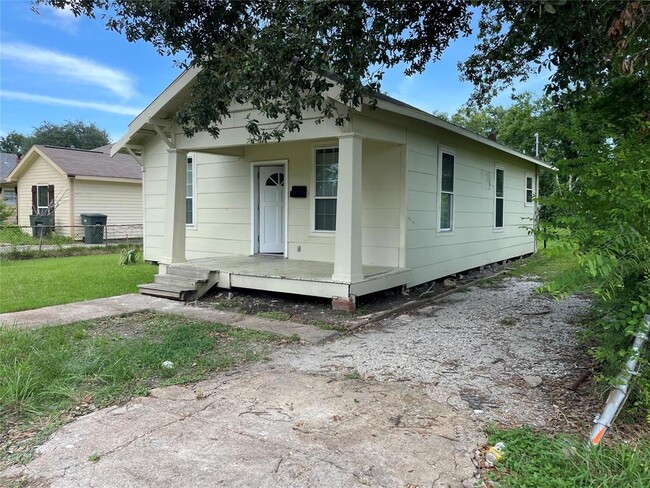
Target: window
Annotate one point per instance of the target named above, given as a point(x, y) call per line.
point(498, 195)
point(42, 200)
point(447, 161)
point(327, 177)
point(530, 192)
point(189, 192)
point(9, 196)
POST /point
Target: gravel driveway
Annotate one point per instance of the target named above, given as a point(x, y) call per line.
point(403, 403)
point(482, 351)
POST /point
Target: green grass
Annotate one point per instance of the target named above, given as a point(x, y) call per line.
point(39, 283)
point(275, 315)
point(48, 373)
point(548, 263)
point(15, 236)
point(532, 460)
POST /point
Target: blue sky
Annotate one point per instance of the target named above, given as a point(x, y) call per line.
point(56, 67)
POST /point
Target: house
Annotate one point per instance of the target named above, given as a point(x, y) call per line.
point(7, 188)
point(395, 197)
point(66, 182)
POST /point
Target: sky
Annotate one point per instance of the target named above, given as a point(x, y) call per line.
point(55, 67)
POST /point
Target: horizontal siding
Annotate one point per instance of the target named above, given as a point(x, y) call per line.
point(474, 241)
point(40, 172)
point(120, 202)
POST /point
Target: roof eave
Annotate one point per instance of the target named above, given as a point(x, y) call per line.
point(152, 110)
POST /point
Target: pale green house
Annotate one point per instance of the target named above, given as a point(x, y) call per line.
point(395, 197)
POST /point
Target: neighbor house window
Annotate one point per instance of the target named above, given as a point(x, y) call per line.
point(42, 199)
point(447, 161)
point(189, 192)
point(530, 192)
point(9, 196)
point(498, 196)
point(327, 178)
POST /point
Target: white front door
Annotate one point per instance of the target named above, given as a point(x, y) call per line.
point(271, 209)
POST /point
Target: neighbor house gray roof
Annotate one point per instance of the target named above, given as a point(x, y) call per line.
point(94, 162)
point(7, 164)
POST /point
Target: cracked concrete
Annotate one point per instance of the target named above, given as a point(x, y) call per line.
point(260, 428)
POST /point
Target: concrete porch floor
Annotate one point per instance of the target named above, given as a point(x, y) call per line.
point(300, 277)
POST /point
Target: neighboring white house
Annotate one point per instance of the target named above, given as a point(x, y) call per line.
point(68, 182)
point(394, 197)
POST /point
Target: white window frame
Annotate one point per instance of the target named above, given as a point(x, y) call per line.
point(47, 197)
point(503, 198)
point(315, 197)
point(532, 189)
point(193, 224)
point(452, 218)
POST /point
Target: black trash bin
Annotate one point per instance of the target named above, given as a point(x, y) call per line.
point(94, 224)
point(42, 225)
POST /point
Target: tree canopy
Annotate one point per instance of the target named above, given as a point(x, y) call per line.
point(76, 134)
point(281, 56)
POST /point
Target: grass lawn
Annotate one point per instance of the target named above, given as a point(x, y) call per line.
point(533, 460)
point(35, 283)
point(53, 374)
point(548, 263)
point(15, 236)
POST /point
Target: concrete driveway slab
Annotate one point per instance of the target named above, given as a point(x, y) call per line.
point(267, 429)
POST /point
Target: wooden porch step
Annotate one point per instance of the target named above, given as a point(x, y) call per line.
point(167, 291)
point(189, 271)
point(179, 281)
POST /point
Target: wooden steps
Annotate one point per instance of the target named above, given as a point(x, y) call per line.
point(182, 282)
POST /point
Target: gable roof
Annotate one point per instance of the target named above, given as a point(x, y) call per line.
point(93, 163)
point(8, 162)
point(165, 105)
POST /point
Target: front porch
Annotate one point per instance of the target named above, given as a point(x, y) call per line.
point(300, 277)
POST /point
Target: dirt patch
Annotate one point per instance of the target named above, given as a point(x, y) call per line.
point(318, 311)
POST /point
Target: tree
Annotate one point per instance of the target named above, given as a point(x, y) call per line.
point(77, 134)
point(70, 134)
point(13, 143)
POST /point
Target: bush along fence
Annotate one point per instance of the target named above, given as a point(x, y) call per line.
point(49, 236)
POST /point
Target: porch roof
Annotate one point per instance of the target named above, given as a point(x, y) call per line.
point(160, 113)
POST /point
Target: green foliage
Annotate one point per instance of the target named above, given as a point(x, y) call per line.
point(14, 143)
point(280, 56)
point(129, 256)
point(76, 134)
point(5, 213)
point(39, 283)
point(532, 460)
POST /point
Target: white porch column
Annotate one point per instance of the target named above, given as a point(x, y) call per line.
point(347, 247)
point(174, 230)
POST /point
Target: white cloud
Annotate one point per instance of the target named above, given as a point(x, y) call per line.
point(61, 18)
point(71, 68)
point(102, 107)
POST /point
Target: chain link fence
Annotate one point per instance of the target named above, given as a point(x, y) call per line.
point(45, 236)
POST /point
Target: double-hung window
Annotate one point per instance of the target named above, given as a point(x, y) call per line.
point(42, 200)
point(530, 192)
point(189, 192)
point(499, 198)
point(327, 177)
point(446, 170)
